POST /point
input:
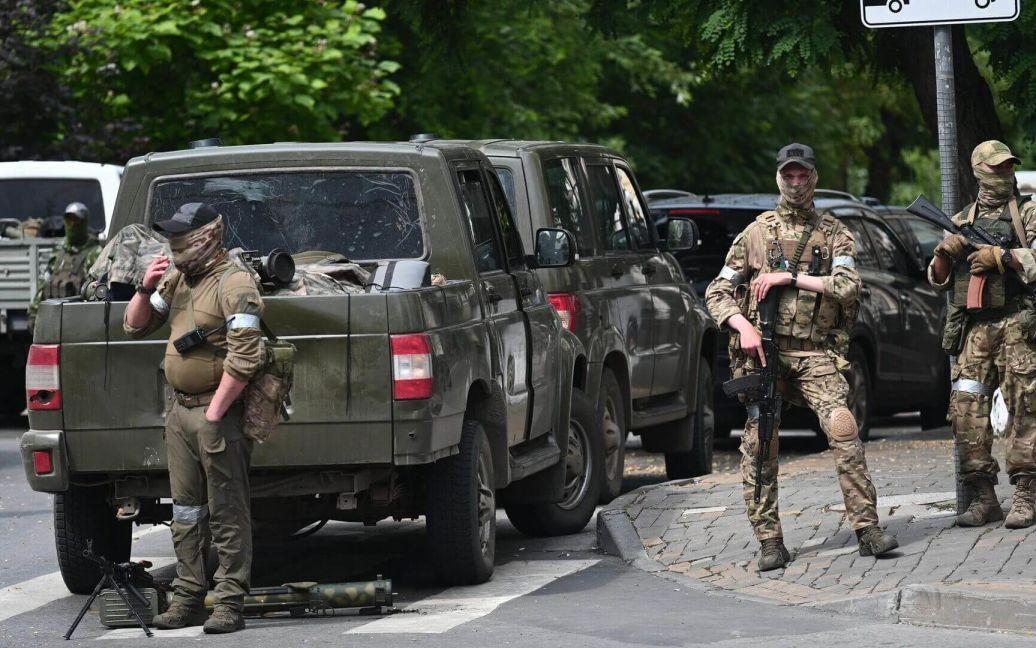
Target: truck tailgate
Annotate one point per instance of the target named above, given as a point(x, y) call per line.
point(115, 395)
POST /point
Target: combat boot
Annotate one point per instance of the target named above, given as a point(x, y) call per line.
point(984, 508)
point(178, 616)
point(1022, 514)
point(875, 542)
point(774, 554)
point(224, 619)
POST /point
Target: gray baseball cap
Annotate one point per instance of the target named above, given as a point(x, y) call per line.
point(798, 154)
point(189, 217)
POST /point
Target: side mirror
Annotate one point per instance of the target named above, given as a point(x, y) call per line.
point(555, 248)
point(682, 235)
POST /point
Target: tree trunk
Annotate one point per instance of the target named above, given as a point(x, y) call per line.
point(911, 51)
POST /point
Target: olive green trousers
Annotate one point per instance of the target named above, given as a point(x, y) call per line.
point(208, 477)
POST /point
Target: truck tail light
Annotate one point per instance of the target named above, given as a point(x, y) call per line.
point(42, 462)
point(411, 367)
point(43, 377)
point(567, 307)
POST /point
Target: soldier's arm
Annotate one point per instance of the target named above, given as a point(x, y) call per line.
point(146, 314)
point(37, 299)
point(940, 270)
point(1025, 257)
point(243, 307)
point(719, 296)
point(843, 284)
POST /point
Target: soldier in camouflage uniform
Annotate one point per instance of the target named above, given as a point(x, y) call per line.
point(817, 305)
point(69, 262)
point(991, 328)
point(208, 455)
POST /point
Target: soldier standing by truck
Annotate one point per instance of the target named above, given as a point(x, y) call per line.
point(215, 348)
point(68, 264)
point(811, 314)
point(990, 327)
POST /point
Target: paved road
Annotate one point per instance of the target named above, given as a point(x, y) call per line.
point(558, 592)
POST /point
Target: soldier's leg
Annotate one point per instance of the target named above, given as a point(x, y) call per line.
point(1019, 389)
point(190, 509)
point(975, 378)
point(763, 516)
point(226, 456)
point(826, 393)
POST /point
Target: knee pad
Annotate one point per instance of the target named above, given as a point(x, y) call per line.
point(843, 425)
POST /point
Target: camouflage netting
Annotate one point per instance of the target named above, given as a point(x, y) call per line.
point(128, 253)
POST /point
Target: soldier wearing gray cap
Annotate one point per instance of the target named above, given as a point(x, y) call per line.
point(69, 262)
point(991, 328)
point(215, 348)
point(818, 303)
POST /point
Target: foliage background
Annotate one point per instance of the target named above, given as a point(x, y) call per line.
point(699, 93)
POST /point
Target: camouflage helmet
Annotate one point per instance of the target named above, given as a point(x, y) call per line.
point(77, 210)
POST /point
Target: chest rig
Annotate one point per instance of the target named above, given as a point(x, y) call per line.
point(999, 291)
point(67, 272)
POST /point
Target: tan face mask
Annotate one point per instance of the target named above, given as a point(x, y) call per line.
point(798, 196)
point(994, 188)
point(198, 251)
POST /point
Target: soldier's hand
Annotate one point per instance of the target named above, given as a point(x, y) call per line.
point(986, 258)
point(155, 270)
point(762, 284)
point(752, 344)
point(952, 247)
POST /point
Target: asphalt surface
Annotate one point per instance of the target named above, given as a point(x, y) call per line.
point(558, 592)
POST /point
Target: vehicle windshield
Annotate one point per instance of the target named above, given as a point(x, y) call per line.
point(24, 198)
point(364, 215)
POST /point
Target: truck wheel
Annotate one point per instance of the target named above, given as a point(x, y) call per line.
point(583, 477)
point(612, 415)
point(82, 514)
point(698, 461)
point(860, 391)
point(461, 515)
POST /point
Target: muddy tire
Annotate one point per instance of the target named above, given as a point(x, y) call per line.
point(697, 461)
point(82, 514)
point(584, 459)
point(461, 511)
point(612, 416)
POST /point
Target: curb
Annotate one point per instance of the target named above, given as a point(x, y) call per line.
point(997, 609)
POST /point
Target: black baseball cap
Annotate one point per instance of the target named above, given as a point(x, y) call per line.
point(798, 154)
point(189, 217)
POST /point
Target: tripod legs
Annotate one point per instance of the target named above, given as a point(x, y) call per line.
point(110, 582)
point(86, 606)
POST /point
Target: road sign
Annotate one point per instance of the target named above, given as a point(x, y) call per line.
point(908, 13)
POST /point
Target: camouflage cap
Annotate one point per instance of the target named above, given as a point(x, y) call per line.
point(796, 154)
point(992, 152)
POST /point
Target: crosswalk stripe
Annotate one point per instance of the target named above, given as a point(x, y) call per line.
point(137, 633)
point(36, 592)
point(458, 605)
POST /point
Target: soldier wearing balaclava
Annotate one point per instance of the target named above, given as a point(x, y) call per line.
point(69, 262)
point(810, 259)
point(990, 328)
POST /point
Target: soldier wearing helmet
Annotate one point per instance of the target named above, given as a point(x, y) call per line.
point(69, 262)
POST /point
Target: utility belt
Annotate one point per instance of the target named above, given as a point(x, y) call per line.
point(788, 343)
point(1013, 305)
point(194, 400)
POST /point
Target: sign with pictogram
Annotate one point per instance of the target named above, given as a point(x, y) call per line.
point(908, 13)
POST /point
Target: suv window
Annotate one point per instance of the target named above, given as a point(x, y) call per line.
point(566, 202)
point(865, 255)
point(507, 182)
point(25, 198)
point(635, 210)
point(928, 236)
point(364, 215)
point(512, 242)
point(480, 221)
point(890, 255)
point(605, 208)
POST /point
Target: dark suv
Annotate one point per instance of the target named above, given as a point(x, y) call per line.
point(650, 341)
point(896, 336)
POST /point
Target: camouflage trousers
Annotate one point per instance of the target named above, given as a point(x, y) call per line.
point(814, 382)
point(208, 477)
point(995, 354)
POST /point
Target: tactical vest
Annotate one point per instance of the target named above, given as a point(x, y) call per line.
point(802, 314)
point(67, 271)
point(1001, 289)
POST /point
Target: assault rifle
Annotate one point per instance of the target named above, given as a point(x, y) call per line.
point(759, 389)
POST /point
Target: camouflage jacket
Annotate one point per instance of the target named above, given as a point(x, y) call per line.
point(67, 271)
point(823, 319)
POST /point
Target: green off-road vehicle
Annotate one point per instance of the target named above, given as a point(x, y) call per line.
point(443, 397)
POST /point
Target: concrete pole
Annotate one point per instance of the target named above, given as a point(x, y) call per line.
point(946, 106)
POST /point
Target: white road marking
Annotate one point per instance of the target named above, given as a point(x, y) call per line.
point(708, 509)
point(458, 605)
point(910, 498)
point(157, 528)
point(137, 633)
point(36, 592)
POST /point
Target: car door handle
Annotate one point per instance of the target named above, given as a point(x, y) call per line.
point(491, 294)
point(618, 271)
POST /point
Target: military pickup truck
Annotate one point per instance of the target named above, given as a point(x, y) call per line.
point(441, 400)
point(35, 194)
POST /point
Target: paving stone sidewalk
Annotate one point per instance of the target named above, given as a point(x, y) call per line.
point(698, 528)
